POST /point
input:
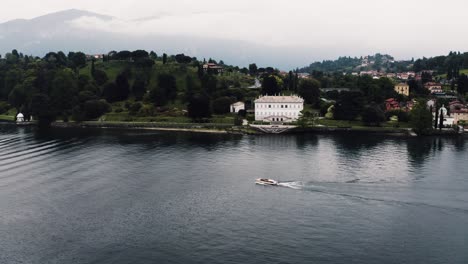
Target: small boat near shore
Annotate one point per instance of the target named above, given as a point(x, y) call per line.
point(269, 182)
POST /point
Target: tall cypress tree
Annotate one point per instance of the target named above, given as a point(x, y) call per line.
point(436, 119)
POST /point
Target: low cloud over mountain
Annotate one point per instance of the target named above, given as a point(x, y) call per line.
point(74, 30)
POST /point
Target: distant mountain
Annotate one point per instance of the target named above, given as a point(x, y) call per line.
point(56, 31)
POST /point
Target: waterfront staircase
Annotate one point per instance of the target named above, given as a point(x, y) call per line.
point(272, 129)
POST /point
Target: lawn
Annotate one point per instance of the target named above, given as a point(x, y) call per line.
point(360, 124)
point(7, 118)
point(462, 71)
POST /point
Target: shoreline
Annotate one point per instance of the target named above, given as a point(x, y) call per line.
point(193, 128)
point(212, 128)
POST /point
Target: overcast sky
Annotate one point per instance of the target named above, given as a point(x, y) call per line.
point(402, 28)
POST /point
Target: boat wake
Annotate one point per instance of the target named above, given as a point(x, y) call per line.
point(296, 185)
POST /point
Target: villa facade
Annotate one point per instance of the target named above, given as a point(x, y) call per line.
point(402, 88)
point(283, 109)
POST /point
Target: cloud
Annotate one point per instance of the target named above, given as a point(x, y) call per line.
point(316, 29)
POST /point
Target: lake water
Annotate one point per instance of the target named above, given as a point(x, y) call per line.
point(106, 196)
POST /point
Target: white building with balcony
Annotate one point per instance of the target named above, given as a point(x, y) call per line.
point(283, 109)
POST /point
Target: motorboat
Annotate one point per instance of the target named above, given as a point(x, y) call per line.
point(263, 181)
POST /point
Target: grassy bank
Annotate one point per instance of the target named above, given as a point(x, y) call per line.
point(8, 118)
point(360, 124)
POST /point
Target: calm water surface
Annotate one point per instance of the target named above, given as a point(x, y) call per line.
point(101, 196)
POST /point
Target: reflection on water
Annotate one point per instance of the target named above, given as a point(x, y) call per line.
point(110, 196)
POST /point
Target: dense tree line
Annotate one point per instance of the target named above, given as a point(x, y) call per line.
point(380, 62)
point(82, 87)
point(450, 64)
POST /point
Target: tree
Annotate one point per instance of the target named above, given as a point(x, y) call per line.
point(242, 113)
point(462, 84)
point(41, 109)
point(95, 108)
point(77, 59)
point(12, 78)
point(153, 55)
point(416, 88)
point(309, 90)
point(373, 115)
point(209, 83)
point(100, 77)
point(181, 58)
point(421, 118)
point(17, 97)
point(199, 107)
point(348, 106)
point(109, 92)
point(140, 54)
point(426, 77)
point(63, 89)
point(134, 108)
point(139, 89)
point(123, 55)
point(157, 96)
point(304, 119)
point(222, 105)
point(190, 88)
point(164, 58)
point(271, 85)
point(167, 85)
point(123, 87)
point(253, 69)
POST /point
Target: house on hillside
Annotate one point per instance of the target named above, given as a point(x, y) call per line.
point(281, 108)
point(433, 87)
point(402, 88)
point(456, 105)
point(392, 104)
point(213, 68)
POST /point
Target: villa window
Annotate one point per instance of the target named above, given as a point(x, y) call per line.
point(269, 106)
point(286, 106)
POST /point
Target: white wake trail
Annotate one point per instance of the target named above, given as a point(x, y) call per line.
point(297, 185)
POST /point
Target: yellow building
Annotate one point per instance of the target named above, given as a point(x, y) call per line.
point(402, 88)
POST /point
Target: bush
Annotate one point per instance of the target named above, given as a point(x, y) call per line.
point(373, 115)
point(324, 108)
point(100, 77)
point(95, 108)
point(128, 105)
point(222, 105)
point(238, 120)
point(134, 108)
point(118, 110)
point(402, 115)
point(242, 113)
point(146, 110)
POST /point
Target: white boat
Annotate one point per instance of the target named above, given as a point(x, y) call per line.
point(270, 182)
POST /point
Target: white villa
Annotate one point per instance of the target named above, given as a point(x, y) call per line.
point(278, 108)
point(236, 107)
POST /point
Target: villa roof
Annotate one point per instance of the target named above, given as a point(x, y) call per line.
point(461, 111)
point(237, 103)
point(280, 99)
